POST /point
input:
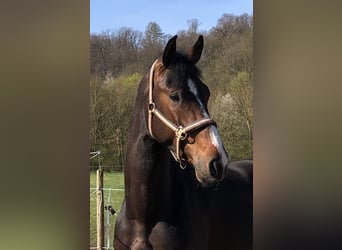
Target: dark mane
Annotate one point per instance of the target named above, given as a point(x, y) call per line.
point(181, 69)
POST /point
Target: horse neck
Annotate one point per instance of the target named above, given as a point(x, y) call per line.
point(146, 168)
point(140, 144)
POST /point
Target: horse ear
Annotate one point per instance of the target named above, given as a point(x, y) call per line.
point(195, 51)
point(169, 51)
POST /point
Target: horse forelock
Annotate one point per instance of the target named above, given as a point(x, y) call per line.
point(179, 71)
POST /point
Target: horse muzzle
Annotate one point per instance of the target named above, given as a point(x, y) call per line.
point(207, 155)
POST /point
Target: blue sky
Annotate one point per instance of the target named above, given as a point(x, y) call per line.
point(171, 16)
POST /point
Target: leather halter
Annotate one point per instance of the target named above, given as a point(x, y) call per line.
point(181, 133)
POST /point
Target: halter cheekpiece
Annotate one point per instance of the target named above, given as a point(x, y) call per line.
point(181, 133)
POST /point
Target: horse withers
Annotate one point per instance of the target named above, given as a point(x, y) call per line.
point(180, 190)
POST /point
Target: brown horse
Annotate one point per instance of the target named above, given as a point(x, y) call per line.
point(180, 190)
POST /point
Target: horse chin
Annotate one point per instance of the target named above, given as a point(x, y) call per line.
point(206, 181)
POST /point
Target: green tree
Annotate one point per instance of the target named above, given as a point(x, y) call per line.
point(97, 115)
point(153, 34)
point(119, 100)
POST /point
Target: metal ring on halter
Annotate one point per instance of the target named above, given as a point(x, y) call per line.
point(181, 134)
point(151, 106)
point(182, 163)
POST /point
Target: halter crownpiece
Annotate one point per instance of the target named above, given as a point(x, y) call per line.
point(181, 133)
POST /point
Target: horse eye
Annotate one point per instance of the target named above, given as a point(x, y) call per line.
point(175, 97)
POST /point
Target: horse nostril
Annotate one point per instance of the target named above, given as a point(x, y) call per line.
point(215, 168)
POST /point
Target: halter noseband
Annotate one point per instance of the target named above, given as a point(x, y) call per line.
point(181, 133)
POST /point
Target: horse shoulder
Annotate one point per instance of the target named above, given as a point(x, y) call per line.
point(241, 171)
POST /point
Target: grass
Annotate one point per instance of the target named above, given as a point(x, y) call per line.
point(113, 198)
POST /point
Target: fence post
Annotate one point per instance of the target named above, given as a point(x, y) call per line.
point(99, 209)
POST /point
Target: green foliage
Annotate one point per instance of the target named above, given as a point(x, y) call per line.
point(120, 58)
point(241, 90)
point(111, 105)
point(131, 81)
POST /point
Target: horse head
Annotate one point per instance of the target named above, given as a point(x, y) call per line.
point(178, 113)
